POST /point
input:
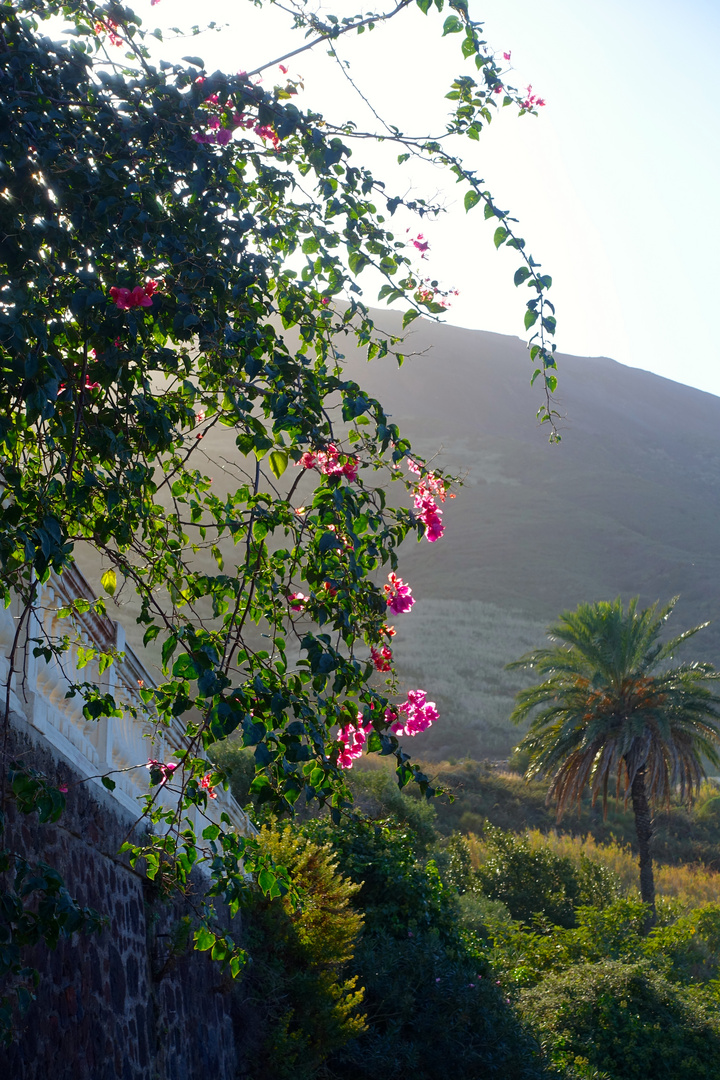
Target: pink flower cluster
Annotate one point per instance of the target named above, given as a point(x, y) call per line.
point(531, 101)
point(297, 601)
point(381, 658)
point(140, 296)
point(398, 595)
point(413, 716)
point(352, 738)
point(331, 462)
point(426, 492)
point(166, 769)
point(430, 292)
point(222, 135)
point(421, 244)
point(205, 783)
point(110, 28)
point(88, 384)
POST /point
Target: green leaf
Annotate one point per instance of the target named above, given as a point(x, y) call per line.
point(452, 25)
point(531, 317)
point(501, 235)
point(469, 47)
point(169, 648)
point(521, 274)
point(267, 880)
point(409, 316)
point(204, 939)
point(109, 581)
point(108, 783)
point(472, 198)
point(278, 460)
point(184, 667)
point(551, 383)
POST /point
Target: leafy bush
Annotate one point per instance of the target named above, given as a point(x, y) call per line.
point(434, 1008)
point(305, 1003)
point(626, 1021)
point(238, 763)
point(532, 880)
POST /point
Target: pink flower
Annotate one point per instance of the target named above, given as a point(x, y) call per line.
point(110, 28)
point(283, 69)
point(199, 417)
point(498, 89)
point(531, 99)
point(266, 132)
point(140, 296)
point(297, 601)
point(399, 595)
point(331, 462)
point(352, 738)
point(166, 769)
point(413, 716)
point(430, 488)
point(121, 297)
point(205, 783)
point(63, 789)
point(224, 136)
point(413, 466)
point(381, 658)
point(507, 55)
point(421, 244)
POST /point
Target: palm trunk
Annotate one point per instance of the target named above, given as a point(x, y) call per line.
point(644, 830)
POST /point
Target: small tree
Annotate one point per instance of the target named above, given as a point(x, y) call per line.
point(611, 710)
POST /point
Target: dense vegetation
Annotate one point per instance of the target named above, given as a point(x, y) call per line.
point(504, 951)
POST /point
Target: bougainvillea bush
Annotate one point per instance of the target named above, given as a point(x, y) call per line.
point(181, 251)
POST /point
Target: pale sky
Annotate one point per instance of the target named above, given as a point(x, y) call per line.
point(615, 184)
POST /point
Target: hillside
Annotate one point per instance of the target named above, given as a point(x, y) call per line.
point(628, 502)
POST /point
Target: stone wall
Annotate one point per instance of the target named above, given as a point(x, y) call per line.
point(120, 1004)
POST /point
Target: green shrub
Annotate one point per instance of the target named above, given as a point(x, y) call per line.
point(624, 1020)
point(434, 1007)
point(304, 1001)
point(238, 763)
point(533, 881)
point(434, 1013)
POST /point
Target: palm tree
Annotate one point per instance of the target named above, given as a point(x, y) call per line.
point(611, 708)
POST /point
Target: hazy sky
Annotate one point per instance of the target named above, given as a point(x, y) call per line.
point(615, 184)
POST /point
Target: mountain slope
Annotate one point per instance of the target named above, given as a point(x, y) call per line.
point(628, 503)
